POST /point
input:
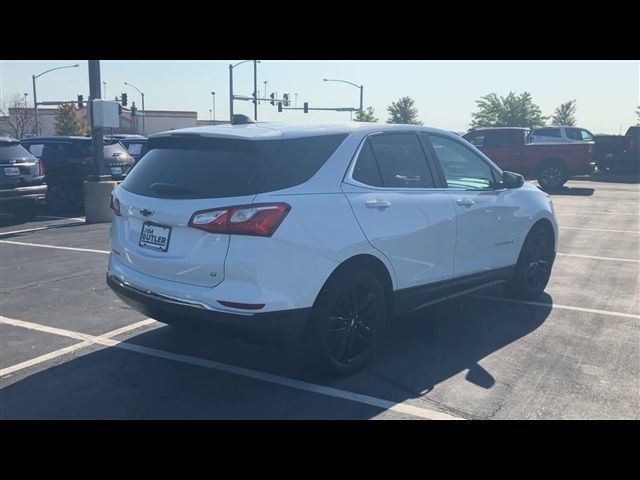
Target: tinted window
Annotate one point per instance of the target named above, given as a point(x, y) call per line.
point(573, 133)
point(500, 138)
point(36, 149)
point(298, 159)
point(547, 132)
point(220, 167)
point(476, 139)
point(366, 170)
point(13, 151)
point(586, 135)
point(462, 167)
point(54, 150)
point(401, 160)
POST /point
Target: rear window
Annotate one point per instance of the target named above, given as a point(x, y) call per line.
point(221, 167)
point(110, 150)
point(13, 151)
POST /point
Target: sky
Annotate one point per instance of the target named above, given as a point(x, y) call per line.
point(445, 92)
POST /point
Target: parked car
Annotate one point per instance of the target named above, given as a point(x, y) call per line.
point(136, 145)
point(69, 161)
point(325, 232)
point(620, 153)
point(560, 134)
point(22, 180)
point(551, 164)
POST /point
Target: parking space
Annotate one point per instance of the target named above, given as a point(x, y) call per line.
point(71, 349)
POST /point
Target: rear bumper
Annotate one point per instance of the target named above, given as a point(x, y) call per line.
point(34, 193)
point(284, 326)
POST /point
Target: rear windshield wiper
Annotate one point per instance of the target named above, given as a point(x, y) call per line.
point(173, 189)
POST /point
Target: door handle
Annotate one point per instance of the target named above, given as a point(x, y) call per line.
point(465, 202)
point(377, 204)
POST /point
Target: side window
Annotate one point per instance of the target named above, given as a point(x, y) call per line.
point(501, 138)
point(573, 133)
point(462, 167)
point(475, 139)
point(547, 132)
point(401, 160)
point(36, 149)
point(586, 135)
point(366, 170)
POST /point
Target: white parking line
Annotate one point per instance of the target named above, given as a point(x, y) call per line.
point(555, 305)
point(79, 219)
point(242, 372)
point(35, 229)
point(601, 230)
point(589, 212)
point(598, 258)
point(54, 246)
point(63, 351)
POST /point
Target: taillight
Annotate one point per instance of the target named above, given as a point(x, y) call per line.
point(260, 219)
point(41, 170)
point(114, 204)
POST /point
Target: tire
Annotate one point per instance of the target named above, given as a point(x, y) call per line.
point(343, 334)
point(26, 213)
point(552, 175)
point(59, 196)
point(534, 265)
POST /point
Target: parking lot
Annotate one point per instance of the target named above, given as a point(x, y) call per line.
point(70, 349)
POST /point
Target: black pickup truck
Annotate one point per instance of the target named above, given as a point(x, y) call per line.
point(619, 153)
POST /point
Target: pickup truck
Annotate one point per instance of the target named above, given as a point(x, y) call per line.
point(551, 164)
point(618, 152)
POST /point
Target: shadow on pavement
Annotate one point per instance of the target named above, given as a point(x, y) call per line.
point(605, 177)
point(421, 351)
point(576, 191)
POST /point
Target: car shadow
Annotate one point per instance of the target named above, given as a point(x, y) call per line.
point(606, 177)
point(421, 351)
point(576, 191)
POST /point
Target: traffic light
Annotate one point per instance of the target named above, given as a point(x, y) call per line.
point(124, 99)
point(285, 98)
point(80, 99)
point(280, 106)
point(306, 107)
point(273, 96)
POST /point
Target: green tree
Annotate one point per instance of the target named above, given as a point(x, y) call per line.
point(403, 111)
point(565, 114)
point(638, 113)
point(69, 122)
point(366, 115)
point(510, 111)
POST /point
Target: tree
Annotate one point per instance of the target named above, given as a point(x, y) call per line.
point(510, 111)
point(638, 113)
point(366, 115)
point(565, 114)
point(403, 111)
point(69, 121)
point(18, 119)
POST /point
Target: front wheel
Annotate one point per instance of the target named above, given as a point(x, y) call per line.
point(347, 322)
point(534, 265)
point(551, 176)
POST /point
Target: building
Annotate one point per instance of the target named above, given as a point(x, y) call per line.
point(154, 121)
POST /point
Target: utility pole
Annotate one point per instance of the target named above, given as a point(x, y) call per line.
point(230, 93)
point(213, 106)
point(96, 132)
point(255, 90)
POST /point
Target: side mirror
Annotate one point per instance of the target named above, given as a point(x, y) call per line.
point(512, 180)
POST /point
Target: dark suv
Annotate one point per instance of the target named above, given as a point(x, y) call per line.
point(22, 185)
point(69, 161)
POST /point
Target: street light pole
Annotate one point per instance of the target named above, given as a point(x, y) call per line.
point(25, 100)
point(35, 96)
point(213, 106)
point(255, 90)
point(361, 87)
point(230, 93)
point(144, 112)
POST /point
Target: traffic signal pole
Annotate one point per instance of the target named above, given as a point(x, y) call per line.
point(96, 132)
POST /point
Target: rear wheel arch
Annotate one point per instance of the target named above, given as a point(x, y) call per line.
point(373, 265)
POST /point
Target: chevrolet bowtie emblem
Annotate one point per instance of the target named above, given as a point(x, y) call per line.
point(146, 213)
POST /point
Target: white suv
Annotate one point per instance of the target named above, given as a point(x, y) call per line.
point(321, 233)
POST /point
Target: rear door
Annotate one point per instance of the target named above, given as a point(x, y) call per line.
point(177, 178)
point(504, 147)
point(402, 213)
